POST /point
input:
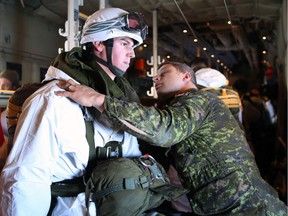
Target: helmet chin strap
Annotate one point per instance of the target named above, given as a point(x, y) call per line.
point(116, 71)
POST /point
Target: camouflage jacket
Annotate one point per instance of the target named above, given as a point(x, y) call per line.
point(207, 142)
point(208, 150)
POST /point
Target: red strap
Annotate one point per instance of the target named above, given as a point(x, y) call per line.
point(2, 139)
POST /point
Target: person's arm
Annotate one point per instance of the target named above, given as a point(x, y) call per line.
point(50, 146)
point(81, 94)
point(88, 97)
point(26, 178)
point(160, 127)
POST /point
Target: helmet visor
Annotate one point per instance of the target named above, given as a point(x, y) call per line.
point(132, 22)
point(135, 22)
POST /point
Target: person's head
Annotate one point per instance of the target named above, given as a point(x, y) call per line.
point(112, 34)
point(174, 78)
point(254, 92)
point(241, 86)
point(208, 77)
point(9, 80)
point(198, 63)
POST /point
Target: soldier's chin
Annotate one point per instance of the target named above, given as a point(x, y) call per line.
point(164, 95)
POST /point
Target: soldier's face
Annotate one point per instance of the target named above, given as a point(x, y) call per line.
point(122, 52)
point(168, 80)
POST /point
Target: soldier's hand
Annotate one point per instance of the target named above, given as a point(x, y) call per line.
point(81, 94)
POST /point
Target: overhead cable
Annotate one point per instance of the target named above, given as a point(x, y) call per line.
point(188, 24)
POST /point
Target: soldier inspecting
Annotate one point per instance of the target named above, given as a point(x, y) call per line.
point(207, 146)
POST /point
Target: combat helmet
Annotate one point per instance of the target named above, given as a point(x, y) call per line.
point(108, 23)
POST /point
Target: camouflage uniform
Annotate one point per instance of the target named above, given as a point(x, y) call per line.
point(235, 106)
point(209, 151)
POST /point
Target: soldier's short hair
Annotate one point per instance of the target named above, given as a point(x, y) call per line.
point(183, 68)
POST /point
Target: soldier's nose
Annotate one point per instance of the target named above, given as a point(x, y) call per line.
point(155, 78)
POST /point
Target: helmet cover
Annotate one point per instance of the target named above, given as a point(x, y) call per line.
point(109, 23)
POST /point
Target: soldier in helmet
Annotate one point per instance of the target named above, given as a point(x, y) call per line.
point(50, 143)
point(206, 145)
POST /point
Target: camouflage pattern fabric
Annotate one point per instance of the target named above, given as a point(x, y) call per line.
point(208, 149)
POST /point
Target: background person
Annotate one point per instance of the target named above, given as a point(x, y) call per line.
point(9, 80)
point(207, 146)
point(50, 140)
point(259, 126)
point(210, 79)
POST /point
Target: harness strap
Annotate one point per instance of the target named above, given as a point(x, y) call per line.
point(128, 184)
point(68, 188)
point(92, 151)
point(230, 97)
point(168, 191)
point(13, 112)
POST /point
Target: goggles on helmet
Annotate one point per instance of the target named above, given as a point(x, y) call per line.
point(135, 22)
point(132, 22)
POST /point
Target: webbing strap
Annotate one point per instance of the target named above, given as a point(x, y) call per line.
point(229, 96)
point(92, 150)
point(169, 192)
point(232, 101)
point(12, 113)
point(128, 184)
point(68, 188)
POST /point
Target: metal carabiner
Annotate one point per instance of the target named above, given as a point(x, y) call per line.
point(152, 166)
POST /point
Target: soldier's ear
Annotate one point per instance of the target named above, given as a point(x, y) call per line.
point(187, 76)
point(98, 45)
